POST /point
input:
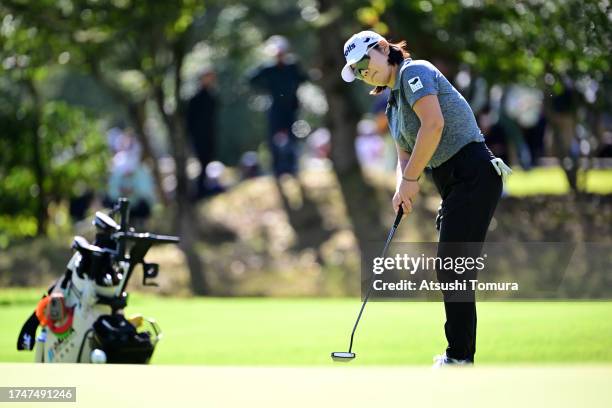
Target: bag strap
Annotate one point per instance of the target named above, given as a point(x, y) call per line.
point(26, 339)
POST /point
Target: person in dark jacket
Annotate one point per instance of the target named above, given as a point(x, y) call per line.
point(280, 79)
point(201, 125)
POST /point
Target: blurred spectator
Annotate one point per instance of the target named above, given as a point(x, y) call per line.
point(281, 79)
point(120, 140)
point(564, 122)
point(82, 197)
point(379, 108)
point(512, 131)
point(494, 133)
point(369, 145)
point(534, 137)
point(113, 137)
point(249, 165)
point(201, 126)
point(132, 179)
point(212, 182)
point(605, 149)
point(563, 119)
point(319, 143)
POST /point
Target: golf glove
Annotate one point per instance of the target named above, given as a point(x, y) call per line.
point(439, 217)
point(501, 168)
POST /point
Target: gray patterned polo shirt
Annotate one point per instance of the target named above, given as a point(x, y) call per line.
point(416, 79)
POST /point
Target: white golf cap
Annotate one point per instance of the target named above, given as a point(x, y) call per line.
point(277, 44)
point(354, 50)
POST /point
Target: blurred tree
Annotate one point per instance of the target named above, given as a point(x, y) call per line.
point(320, 29)
point(334, 26)
point(45, 149)
point(137, 49)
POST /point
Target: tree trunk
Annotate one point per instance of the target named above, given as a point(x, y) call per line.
point(185, 216)
point(37, 162)
point(343, 115)
point(138, 115)
point(563, 126)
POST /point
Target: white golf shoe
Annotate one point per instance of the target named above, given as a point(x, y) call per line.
point(442, 361)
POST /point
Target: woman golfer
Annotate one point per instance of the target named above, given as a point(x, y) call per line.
point(433, 126)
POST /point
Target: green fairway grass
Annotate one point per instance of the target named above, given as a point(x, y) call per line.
point(552, 180)
point(268, 331)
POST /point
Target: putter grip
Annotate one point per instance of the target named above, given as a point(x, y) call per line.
point(398, 217)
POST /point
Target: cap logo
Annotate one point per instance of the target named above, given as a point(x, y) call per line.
point(348, 49)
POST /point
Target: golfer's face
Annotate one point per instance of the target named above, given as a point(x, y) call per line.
point(377, 71)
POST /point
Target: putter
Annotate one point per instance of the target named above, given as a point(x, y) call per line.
point(346, 356)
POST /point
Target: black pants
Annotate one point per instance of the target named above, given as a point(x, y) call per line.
point(470, 189)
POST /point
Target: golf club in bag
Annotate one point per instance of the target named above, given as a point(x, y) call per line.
point(82, 314)
point(346, 356)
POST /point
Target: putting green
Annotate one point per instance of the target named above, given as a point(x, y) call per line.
point(338, 386)
point(302, 332)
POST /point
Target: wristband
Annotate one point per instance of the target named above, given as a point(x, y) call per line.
point(412, 180)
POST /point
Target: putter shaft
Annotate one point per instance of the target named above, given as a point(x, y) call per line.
point(396, 223)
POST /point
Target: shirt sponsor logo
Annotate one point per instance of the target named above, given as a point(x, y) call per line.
point(415, 84)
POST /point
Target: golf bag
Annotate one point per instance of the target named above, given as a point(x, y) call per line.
point(81, 317)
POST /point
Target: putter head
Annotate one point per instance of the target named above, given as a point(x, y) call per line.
point(342, 356)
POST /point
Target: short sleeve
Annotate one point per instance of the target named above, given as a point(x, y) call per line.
point(419, 80)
